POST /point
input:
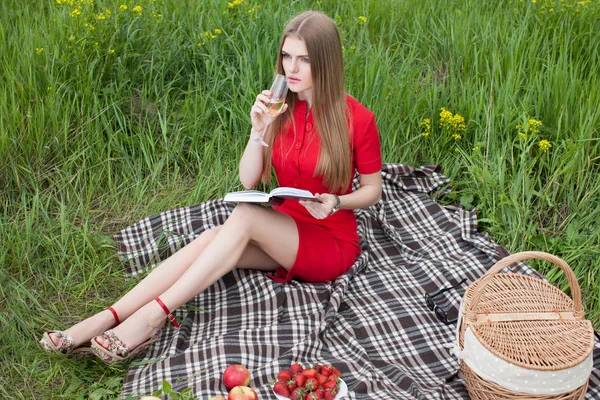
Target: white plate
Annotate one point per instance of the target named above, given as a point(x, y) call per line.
point(343, 392)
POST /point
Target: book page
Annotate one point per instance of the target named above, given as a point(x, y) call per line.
point(292, 193)
point(248, 196)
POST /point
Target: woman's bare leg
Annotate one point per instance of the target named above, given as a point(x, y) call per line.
point(252, 237)
point(155, 283)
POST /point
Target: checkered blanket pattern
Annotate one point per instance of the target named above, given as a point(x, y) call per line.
point(372, 323)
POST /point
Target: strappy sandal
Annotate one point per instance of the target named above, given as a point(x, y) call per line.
point(114, 350)
point(66, 344)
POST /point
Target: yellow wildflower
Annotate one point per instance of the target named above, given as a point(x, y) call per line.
point(425, 126)
point(75, 12)
point(544, 145)
point(49, 88)
point(476, 148)
point(218, 31)
point(111, 51)
point(362, 19)
point(101, 16)
point(523, 135)
point(137, 9)
point(156, 15)
point(445, 117)
point(60, 1)
point(123, 7)
point(39, 50)
point(453, 122)
point(534, 125)
point(456, 136)
point(458, 123)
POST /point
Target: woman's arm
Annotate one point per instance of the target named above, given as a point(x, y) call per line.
point(251, 163)
point(366, 195)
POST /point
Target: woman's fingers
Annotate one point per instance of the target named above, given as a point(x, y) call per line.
point(316, 209)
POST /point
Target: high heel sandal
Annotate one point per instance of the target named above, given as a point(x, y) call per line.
point(115, 350)
point(66, 344)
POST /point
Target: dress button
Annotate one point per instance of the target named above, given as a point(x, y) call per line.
point(309, 127)
point(296, 182)
point(298, 145)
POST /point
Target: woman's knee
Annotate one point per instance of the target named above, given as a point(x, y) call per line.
point(207, 236)
point(244, 214)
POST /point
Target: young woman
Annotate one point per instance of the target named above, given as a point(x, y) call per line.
point(322, 137)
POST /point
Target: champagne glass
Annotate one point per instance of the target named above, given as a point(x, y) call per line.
point(275, 104)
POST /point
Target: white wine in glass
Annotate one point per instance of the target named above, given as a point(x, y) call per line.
point(275, 104)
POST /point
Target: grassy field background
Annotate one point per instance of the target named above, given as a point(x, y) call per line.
point(111, 111)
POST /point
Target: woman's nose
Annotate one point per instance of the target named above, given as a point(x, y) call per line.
point(294, 66)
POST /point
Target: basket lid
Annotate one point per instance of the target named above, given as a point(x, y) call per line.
point(528, 322)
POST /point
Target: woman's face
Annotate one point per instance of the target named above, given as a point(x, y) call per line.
point(296, 66)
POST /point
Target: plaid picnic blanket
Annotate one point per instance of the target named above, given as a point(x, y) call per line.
point(372, 323)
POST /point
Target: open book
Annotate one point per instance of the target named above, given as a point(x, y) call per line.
point(276, 196)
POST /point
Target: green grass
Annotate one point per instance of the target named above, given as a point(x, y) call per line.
point(106, 121)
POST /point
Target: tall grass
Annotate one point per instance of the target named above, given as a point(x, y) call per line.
point(109, 116)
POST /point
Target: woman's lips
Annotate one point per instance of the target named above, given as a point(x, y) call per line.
point(292, 79)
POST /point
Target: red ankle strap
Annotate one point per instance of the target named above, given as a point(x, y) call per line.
point(114, 313)
point(171, 317)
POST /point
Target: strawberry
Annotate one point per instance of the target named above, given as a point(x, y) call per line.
point(309, 372)
point(311, 384)
point(326, 370)
point(300, 380)
point(281, 388)
point(319, 368)
point(297, 394)
point(336, 371)
point(296, 369)
point(321, 379)
point(311, 396)
point(328, 395)
point(329, 385)
point(291, 384)
point(284, 375)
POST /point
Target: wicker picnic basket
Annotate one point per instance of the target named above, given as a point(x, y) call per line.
point(519, 337)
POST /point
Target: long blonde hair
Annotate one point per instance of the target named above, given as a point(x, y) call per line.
point(322, 40)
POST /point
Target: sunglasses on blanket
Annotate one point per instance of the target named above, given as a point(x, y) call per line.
point(439, 312)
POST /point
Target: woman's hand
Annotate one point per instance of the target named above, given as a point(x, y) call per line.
point(259, 113)
point(322, 209)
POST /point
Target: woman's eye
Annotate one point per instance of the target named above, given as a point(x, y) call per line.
point(285, 55)
point(306, 60)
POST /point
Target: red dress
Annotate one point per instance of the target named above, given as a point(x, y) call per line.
point(327, 247)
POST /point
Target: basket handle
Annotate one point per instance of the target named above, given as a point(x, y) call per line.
point(513, 258)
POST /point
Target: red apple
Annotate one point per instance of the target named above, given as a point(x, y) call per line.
point(242, 393)
point(217, 398)
point(236, 375)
